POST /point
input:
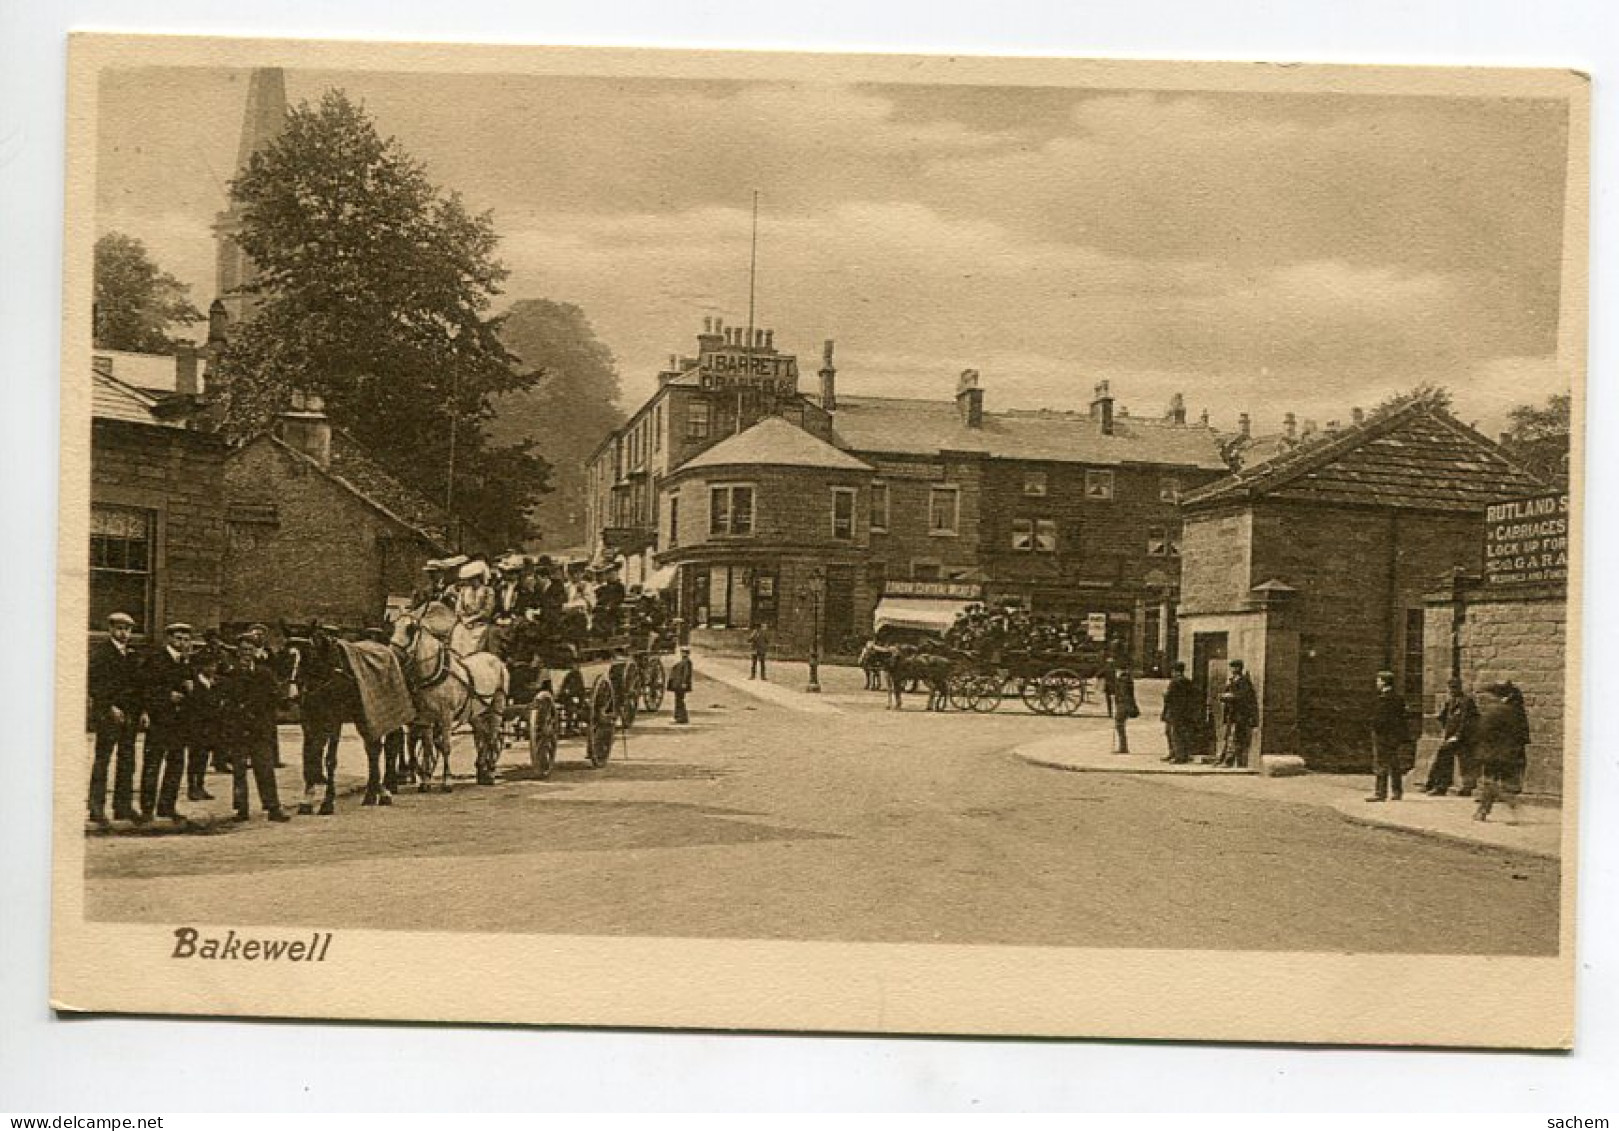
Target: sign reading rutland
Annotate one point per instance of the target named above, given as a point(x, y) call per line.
point(1526, 542)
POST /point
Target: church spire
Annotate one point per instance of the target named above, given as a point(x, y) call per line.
point(261, 123)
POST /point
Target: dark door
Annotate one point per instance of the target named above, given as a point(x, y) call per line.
point(837, 625)
point(1209, 676)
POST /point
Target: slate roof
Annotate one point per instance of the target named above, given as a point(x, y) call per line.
point(905, 426)
point(774, 442)
point(112, 399)
point(1412, 455)
point(355, 471)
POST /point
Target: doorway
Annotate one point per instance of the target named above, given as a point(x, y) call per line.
point(1209, 670)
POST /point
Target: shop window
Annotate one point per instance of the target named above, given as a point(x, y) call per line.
point(1169, 490)
point(944, 506)
point(879, 506)
point(1163, 542)
point(843, 514)
point(730, 510)
point(697, 420)
point(1413, 659)
point(1099, 485)
point(121, 553)
point(1034, 483)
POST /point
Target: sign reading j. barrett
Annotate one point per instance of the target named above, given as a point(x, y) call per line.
point(1526, 541)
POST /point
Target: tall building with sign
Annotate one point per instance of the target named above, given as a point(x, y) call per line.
point(752, 501)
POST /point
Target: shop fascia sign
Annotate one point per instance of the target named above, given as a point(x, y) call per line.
point(1526, 541)
point(946, 590)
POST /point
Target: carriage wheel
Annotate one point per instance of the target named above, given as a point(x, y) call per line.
point(544, 721)
point(964, 692)
point(602, 722)
point(656, 681)
point(1033, 694)
point(629, 692)
point(1062, 691)
point(990, 690)
point(571, 700)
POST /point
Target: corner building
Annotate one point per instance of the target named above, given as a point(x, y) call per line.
point(754, 502)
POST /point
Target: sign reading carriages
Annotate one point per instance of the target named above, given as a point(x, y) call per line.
point(1526, 542)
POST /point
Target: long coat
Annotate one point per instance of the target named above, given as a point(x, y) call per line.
point(166, 679)
point(116, 679)
point(1389, 732)
point(1503, 733)
point(680, 676)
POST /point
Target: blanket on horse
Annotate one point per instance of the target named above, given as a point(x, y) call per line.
point(385, 702)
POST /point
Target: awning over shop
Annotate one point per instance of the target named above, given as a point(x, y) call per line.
point(661, 578)
point(930, 613)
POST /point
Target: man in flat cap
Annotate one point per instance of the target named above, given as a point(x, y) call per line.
point(169, 681)
point(251, 697)
point(1389, 739)
point(115, 710)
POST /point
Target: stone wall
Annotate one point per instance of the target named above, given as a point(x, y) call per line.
point(1523, 640)
point(178, 476)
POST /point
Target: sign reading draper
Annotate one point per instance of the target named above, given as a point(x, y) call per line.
point(1526, 541)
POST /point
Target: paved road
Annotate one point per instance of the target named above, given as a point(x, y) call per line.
point(851, 824)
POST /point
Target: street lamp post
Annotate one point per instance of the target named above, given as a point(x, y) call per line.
point(814, 685)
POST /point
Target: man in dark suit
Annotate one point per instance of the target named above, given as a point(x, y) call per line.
point(1239, 708)
point(115, 708)
point(169, 682)
point(204, 716)
point(680, 684)
point(1389, 738)
point(251, 698)
point(1180, 715)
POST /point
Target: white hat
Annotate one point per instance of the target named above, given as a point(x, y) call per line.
point(474, 569)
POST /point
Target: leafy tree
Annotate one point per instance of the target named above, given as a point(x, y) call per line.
point(1539, 436)
point(136, 301)
point(372, 289)
point(568, 412)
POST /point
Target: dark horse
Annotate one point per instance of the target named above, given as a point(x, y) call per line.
point(907, 664)
point(328, 697)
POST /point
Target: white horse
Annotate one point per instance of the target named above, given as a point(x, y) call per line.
point(450, 689)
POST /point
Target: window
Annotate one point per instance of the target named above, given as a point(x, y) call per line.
point(1036, 534)
point(674, 520)
point(943, 505)
point(1034, 483)
point(924, 571)
point(730, 510)
point(1413, 660)
point(843, 514)
point(1163, 542)
point(1099, 485)
point(879, 506)
point(697, 420)
point(1169, 490)
point(121, 553)
point(657, 428)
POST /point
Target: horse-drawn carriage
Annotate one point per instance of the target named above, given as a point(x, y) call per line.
point(586, 689)
point(1048, 683)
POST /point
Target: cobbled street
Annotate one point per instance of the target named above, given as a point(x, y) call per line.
point(830, 818)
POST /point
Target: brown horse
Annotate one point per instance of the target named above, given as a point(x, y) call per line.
point(906, 664)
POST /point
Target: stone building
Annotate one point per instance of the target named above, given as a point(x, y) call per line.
point(1315, 568)
point(157, 512)
point(317, 529)
point(1067, 513)
point(1510, 622)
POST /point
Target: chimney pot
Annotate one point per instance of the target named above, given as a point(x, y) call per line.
point(218, 323)
point(708, 324)
point(305, 428)
point(1290, 425)
point(1177, 409)
point(1244, 425)
point(1309, 427)
point(1358, 415)
point(1102, 407)
point(770, 339)
point(1203, 418)
point(829, 379)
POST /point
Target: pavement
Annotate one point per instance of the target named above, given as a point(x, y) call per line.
point(1534, 829)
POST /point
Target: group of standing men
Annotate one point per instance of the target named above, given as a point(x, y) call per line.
point(1185, 718)
point(205, 706)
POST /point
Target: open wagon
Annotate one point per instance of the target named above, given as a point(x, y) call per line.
point(584, 690)
point(1049, 683)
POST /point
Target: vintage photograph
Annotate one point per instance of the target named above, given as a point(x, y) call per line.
point(943, 545)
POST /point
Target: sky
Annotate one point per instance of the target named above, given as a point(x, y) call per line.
point(1260, 253)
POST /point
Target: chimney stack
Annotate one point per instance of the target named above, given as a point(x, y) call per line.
point(1203, 418)
point(770, 340)
point(1309, 429)
point(1332, 427)
point(1504, 439)
point(1244, 425)
point(218, 324)
point(1177, 409)
point(1358, 415)
point(708, 324)
point(970, 399)
point(829, 379)
point(1102, 407)
point(305, 428)
point(185, 370)
point(1290, 426)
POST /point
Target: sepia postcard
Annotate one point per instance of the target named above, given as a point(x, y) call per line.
point(770, 541)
